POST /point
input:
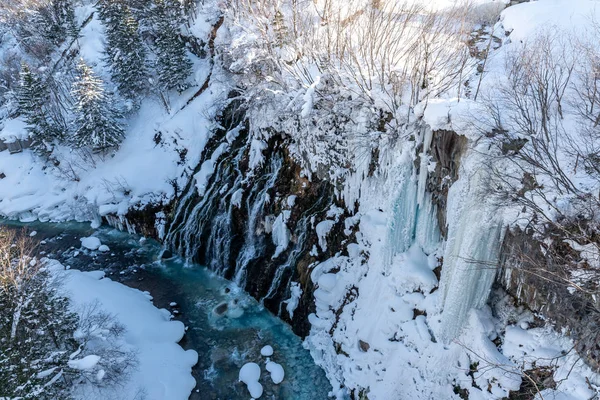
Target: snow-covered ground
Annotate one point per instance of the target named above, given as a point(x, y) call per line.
point(163, 368)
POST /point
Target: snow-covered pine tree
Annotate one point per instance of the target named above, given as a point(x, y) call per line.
point(96, 120)
point(125, 50)
point(32, 99)
point(110, 14)
point(172, 63)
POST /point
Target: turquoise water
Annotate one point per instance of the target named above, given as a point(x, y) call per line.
point(224, 340)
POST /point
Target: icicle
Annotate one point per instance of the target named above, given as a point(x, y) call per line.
point(403, 219)
point(470, 257)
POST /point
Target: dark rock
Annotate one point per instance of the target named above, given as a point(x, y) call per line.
point(446, 149)
point(364, 346)
point(221, 309)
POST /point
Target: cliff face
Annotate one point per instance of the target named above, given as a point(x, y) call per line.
point(447, 148)
point(536, 273)
point(240, 208)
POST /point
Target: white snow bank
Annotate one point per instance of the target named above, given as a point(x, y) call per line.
point(164, 368)
point(524, 20)
point(322, 230)
point(13, 130)
point(91, 243)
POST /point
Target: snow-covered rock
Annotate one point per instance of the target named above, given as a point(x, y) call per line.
point(87, 362)
point(91, 243)
point(277, 373)
point(250, 374)
point(266, 351)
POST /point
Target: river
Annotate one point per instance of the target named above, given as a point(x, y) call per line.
point(224, 339)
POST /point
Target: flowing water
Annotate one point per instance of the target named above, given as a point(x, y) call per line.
point(225, 326)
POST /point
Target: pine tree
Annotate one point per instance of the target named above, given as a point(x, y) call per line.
point(96, 121)
point(125, 50)
point(172, 63)
point(32, 99)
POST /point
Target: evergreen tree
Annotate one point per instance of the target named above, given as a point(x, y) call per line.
point(172, 63)
point(32, 99)
point(96, 121)
point(125, 50)
point(32, 360)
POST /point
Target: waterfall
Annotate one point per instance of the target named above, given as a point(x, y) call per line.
point(282, 280)
point(228, 224)
point(413, 214)
point(255, 204)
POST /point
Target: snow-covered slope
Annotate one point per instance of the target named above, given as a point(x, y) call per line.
point(154, 161)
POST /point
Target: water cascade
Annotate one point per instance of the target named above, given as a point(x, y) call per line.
point(252, 222)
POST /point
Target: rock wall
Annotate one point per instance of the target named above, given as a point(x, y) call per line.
point(535, 274)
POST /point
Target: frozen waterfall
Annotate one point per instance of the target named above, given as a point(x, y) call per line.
point(470, 252)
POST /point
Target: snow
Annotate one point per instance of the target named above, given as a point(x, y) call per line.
point(91, 243)
point(309, 98)
point(294, 300)
point(164, 368)
point(12, 130)
point(266, 351)
point(280, 234)
point(291, 200)
point(236, 197)
point(327, 281)
point(256, 157)
point(84, 186)
point(277, 373)
point(322, 230)
point(208, 168)
point(524, 20)
point(87, 362)
point(250, 374)
point(103, 248)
